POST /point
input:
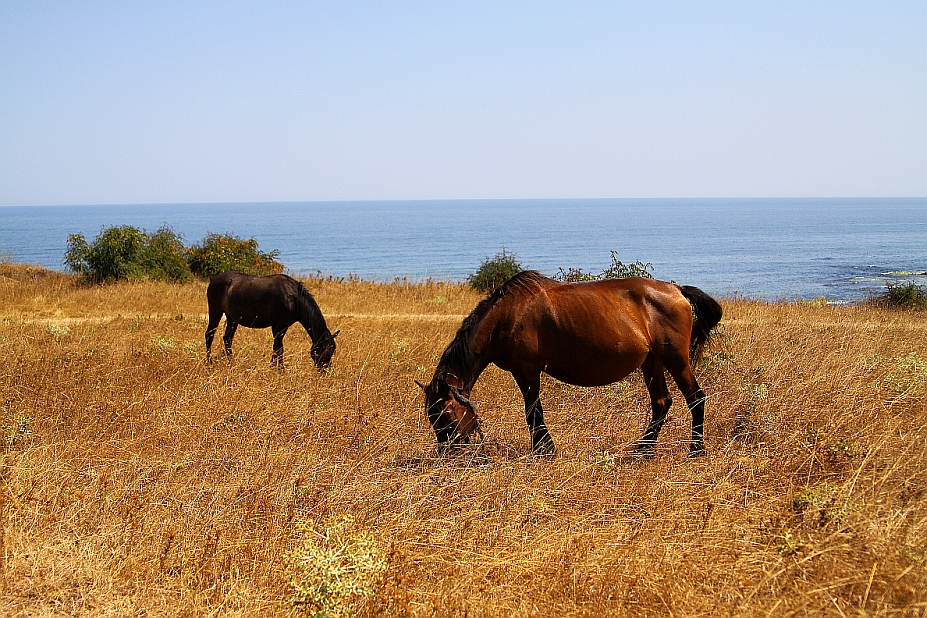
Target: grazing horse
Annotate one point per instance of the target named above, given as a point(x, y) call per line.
point(588, 334)
point(277, 302)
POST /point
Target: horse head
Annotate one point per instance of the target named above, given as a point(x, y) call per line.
point(450, 411)
point(322, 351)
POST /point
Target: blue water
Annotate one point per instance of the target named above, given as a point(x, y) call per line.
point(844, 249)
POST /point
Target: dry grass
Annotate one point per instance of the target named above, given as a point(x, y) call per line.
point(137, 481)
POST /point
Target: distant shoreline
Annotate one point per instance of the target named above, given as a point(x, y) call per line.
point(844, 249)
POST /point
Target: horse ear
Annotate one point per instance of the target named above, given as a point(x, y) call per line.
point(335, 334)
point(420, 385)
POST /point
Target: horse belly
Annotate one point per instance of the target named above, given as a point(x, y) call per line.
point(585, 360)
point(252, 321)
point(246, 315)
point(251, 308)
point(600, 373)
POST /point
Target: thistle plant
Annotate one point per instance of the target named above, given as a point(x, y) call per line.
point(332, 569)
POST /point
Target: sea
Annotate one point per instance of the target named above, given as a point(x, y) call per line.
point(842, 249)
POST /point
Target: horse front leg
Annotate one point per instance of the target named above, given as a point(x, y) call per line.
point(541, 442)
point(276, 359)
point(660, 402)
point(230, 328)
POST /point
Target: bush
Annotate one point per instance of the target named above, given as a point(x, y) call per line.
point(167, 257)
point(221, 252)
point(903, 295)
point(126, 253)
point(617, 270)
point(494, 272)
point(332, 569)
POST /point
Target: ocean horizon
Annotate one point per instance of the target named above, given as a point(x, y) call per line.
point(844, 249)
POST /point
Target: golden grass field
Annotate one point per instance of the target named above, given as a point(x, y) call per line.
point(138, 481)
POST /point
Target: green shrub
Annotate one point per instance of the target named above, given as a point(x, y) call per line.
point(616, 270)
point(333, 568)
point(903, 295)
point(221, 252)
point(494, 272)
point(126, 253)
point(20, 430)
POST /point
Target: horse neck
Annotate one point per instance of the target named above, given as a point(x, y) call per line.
point(468, 355)
point(310, 316)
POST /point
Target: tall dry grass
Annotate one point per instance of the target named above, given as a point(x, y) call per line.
point(135, 480)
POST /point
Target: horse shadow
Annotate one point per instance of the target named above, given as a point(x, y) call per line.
point(496, 452)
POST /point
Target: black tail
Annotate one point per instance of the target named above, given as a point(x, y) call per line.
point(706, 313)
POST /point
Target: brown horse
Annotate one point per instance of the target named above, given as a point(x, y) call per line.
point(588, 334)
point(277, 302)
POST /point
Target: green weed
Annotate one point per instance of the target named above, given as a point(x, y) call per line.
point(908, 376)
point(126, 253)
point(20, 430)
point(332, 569)
point(789, 543)
point(824, 503)
point(58, 331)
point(163, 344)
point(754, 415)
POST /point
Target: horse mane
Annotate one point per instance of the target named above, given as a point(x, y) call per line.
point(459, 356)
point(309, 313)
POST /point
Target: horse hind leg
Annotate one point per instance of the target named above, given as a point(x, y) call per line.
point(660, 402)
point(541, 442)
point(695, 398)
point(230, 328)
point(211, 328)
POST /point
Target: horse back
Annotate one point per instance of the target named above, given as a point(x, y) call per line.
point(594, 332)
point(635, 306)
point(253, 300)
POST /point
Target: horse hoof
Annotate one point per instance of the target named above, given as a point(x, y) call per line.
point(546, 449)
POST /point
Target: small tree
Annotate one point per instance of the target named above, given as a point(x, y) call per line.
point(126, 253)
point(221, 252)
point(494, 272)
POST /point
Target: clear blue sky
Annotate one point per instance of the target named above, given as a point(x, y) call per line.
point(141, 102)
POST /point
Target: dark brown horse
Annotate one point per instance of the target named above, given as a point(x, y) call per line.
point(277, 302)
point(588, 334)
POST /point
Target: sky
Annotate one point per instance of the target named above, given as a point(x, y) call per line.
point(184, 102)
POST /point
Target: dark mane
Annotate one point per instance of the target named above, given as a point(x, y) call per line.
point(310, 315)
point(458, 357)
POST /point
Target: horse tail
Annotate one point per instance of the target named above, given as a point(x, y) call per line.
point(706, 313)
